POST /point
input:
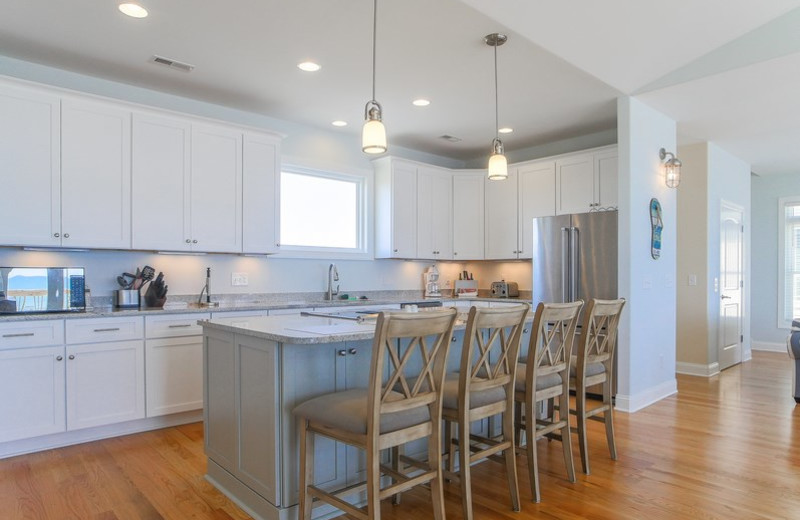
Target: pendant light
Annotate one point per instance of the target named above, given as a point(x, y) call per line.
point(373, 136)
point(498, 165)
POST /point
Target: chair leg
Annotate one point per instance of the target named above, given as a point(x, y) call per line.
point(464, 468)
point(566, 439)
point(373, 483)
point(511, 459)
point(518, 411)
point(608, 419)
point(435, 463)
point(397, 452)
point(306, 469)
point(449, 447)
point(583, 443)
point(530, 448)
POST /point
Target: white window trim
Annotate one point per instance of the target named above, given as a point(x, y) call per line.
point(365, 181)
point(782, 203)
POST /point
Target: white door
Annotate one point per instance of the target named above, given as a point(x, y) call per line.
point(537, 186)
point(30, 168)
point(731, 286)
point(468, 216)
point(105, 383)
point(216, 189)
point(174, 375)
point(161, 181)
point(501, 218)
point(31, 392)
point(95, 175)
point(575, 184)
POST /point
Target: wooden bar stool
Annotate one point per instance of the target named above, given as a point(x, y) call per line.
point(390, 412)
point(544, 376)
point(593, 365)
point(484, 387)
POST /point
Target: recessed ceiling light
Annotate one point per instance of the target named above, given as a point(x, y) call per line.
point(421, 102)
point(133, 10)
point(339, 123)
point(308, 66)
point(506, 130)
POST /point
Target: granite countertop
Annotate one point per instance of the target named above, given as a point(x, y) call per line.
point(265, 304)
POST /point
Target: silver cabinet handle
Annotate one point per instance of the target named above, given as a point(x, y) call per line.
point(113, 329)
point(342, 353)
point(19, 335)
point(726, 297)
point(181, 326)
point(188, 241)
point(56, 235)
point(59, 358)
point(66, 235)
point(278, 244)
point(353, 351)
point(72, 356)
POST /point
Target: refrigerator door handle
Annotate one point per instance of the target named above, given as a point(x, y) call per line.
point(565, 235)
point(574, 267)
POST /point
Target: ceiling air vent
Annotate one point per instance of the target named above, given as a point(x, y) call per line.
point(174, 64)
point(450, 138)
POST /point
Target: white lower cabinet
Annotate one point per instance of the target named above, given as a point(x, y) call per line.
point(32, 400)
point(105, 383)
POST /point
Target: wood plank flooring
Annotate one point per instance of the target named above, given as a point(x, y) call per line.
point(727, 447)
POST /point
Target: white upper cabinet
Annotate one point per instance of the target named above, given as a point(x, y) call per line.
point(216, 190)
point(395, 208)
point(95, 175)
point(30, 170)
point(501, 217)
point(575, 184)
point(261, 190)
point(536, 187)
point(468, 221)
point(606, 173)
point(434, 213)
point(161, 180)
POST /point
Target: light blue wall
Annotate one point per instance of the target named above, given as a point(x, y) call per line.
point(766, 191)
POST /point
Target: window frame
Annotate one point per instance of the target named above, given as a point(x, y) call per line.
point(364, 182)
point(783, 202)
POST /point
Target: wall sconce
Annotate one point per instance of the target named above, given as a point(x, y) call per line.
point(672, 168)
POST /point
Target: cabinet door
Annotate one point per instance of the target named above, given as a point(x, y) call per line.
point(105, 383)
point(574, 184)
point(468, 222)
point(404, 211)
point(161, 181)
point(219, 412)
point(95, 175)
point(501, 218)
point(356, 375)
point(261, 189)
point(216, 200)
point(434, 214)
point(174, 375)
point(606, 172)
point(537, 187)
point(30, 175)
point(31, 392)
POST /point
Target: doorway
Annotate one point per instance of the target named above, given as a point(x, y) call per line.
point(731, 286)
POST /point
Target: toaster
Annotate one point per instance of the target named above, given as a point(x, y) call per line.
point(504, 289)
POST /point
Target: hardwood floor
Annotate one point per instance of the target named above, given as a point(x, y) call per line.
point(727, 447)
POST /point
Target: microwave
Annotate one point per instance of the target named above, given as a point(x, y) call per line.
point(26, 290)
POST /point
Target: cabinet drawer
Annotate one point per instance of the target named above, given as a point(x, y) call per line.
point(174, 325)
point(104, 329)
point(31, 334)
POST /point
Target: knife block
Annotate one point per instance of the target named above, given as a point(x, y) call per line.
point(151, 300)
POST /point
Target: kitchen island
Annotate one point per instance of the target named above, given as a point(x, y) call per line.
point(255, 372)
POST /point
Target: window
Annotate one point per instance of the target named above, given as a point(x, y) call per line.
point(789, 274)
point(322, 212)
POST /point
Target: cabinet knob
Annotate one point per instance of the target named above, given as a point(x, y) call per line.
point(194, 241)
point(56, 235)
point(525, 331)
point(395, 250)
point(278, 244)
point(455, 254)
point(59, 358)
point(188, 241)
point(453, 339)
point(66, 235)
point(72, 356)
point(353, 351)
point(342, 353)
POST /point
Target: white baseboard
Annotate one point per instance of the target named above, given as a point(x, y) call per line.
point(747, 355)
point(697, 369)
point(768, 346)
point(634, 403)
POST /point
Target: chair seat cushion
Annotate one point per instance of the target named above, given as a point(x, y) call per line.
point(542, 382)
point(476, 398)
point(592, 369)
point(348, 411)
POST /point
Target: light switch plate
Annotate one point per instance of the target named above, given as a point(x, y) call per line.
point(239, 279)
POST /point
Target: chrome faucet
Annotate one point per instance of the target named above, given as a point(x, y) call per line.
point(333, 276)
point(206, 289)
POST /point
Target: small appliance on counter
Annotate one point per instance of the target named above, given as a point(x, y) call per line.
point(431, 277)
point(504, 289)
point(466, 288)
point(42, 289)
point(126, 298)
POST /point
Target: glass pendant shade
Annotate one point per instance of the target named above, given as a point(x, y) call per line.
point(373, 136)
point(498, 165)
point(672, 173)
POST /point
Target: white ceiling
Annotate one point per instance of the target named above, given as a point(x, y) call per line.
point(714, 66)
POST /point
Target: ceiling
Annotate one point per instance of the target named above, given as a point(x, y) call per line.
point(726, 70)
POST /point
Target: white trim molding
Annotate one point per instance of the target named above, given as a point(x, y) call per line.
point(767, 346)
point(697, 369)
point(634, 403)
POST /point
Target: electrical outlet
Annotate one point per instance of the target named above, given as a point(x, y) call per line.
point(239, 279)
